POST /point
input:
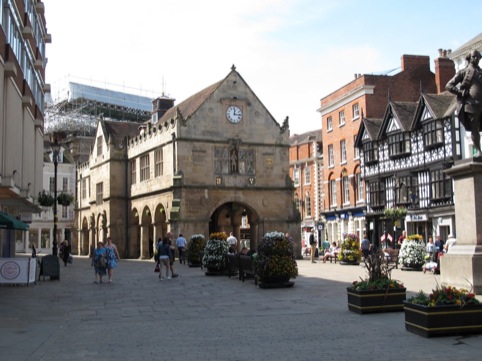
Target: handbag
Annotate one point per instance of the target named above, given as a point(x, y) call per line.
point(157, 268)
point(70, 259)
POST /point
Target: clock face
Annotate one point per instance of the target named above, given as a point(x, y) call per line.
point(234, 114)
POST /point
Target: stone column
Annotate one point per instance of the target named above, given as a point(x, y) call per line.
point(143, 242)
point(462, 266)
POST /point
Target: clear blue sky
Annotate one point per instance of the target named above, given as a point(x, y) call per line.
point(290, 52)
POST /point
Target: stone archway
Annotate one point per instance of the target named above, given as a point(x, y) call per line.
point(146, 233)
point(238, 218)
point(84, 237)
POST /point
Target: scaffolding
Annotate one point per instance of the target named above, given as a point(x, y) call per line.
point(75, 108)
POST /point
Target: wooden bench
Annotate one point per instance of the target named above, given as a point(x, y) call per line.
point(392, 259)
point(247, 268)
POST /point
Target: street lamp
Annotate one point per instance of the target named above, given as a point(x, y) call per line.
point(54, 143)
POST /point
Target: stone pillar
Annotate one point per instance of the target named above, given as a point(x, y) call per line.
point(462, 266)
point(143, 242)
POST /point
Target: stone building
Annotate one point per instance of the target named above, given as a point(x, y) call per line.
point(218, 161)
point(23, 40)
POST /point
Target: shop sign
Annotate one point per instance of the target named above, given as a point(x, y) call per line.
point(416, 217)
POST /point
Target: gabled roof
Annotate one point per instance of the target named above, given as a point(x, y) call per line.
point(438, 105)
point(401, 112)
point(404, 112)
point(115, 131)
point(188, 107)
point(371, 127)
point(191, 104)
point(308, 137)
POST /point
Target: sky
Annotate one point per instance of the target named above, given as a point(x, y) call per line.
point(291, 53)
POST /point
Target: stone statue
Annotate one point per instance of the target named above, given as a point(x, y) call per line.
point(467, 85)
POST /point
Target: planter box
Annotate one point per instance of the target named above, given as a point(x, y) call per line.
point(373, 301)
point(443, 320)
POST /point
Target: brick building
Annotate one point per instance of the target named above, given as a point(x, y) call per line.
point(306, 171)
point(341, 112)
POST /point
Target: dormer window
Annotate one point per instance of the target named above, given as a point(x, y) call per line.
point(398, 141)
point(370, 152)
point(399, 145)
point(433, 133)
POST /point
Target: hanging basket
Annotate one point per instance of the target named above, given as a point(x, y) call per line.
point(46, 199)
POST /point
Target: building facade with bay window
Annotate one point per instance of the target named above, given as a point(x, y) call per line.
point(403, 158)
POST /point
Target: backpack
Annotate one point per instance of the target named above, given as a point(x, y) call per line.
point(101, 262)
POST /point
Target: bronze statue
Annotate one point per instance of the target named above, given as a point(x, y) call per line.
point(467, 85)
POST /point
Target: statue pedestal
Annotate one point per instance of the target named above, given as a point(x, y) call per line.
point(462, 266)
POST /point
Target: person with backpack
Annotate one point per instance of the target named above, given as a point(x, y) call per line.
point(99, 261)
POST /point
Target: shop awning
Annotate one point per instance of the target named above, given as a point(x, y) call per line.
point(9, 222)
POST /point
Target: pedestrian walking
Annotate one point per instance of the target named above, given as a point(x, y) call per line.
point(164, 252)
point(64, 252)
point(112, 257)
point(181, 244)
point(99, 262)
point(172, 258)
point(312, 245)
point(365, 246)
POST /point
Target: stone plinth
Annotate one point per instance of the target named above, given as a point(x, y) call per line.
point(462, 266)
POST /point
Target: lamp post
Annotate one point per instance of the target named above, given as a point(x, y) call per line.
point(54, 143)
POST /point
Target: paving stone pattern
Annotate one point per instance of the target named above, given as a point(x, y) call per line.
point(199, 317)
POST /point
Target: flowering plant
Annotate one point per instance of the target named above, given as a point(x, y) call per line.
point(275, 257)
point(46, 199)
point(379, 275)
point(350, 248)
point(196, 245)
point(444, 295)
point(65, 199)
point(395, 213)
point(215, 251)
point(412, 251)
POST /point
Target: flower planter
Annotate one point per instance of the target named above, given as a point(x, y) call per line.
point(443, 320)
point(274, 264)
point(375, 301)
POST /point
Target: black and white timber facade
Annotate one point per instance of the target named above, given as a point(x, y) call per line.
point(403, 158)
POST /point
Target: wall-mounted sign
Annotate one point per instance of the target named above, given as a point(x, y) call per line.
point(416, 218)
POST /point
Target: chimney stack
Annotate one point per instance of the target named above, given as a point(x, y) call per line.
point(444, 70)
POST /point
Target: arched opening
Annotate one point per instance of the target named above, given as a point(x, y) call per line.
point(238, 218)
point(146, 233)
point(84, 237)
